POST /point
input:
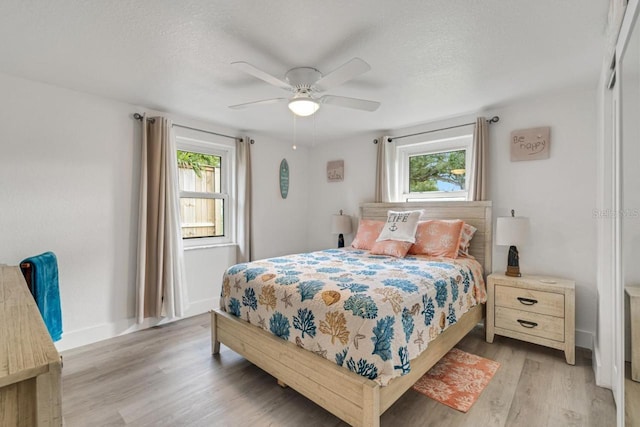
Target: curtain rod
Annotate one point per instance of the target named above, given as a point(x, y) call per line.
point(494, 119)
point(139, 117)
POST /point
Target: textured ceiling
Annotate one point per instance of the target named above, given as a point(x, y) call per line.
point(430, 59)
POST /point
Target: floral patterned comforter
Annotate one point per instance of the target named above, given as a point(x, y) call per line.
point(369, 313)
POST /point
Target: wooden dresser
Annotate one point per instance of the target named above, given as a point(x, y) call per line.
point(537, 309)
point(30, 367)
point(634, 317)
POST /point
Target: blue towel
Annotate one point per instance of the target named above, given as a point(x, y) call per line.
point(44, 283)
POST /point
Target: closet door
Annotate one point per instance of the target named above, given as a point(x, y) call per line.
point(627, 213)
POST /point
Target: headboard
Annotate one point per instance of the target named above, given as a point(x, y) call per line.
point(477, 214)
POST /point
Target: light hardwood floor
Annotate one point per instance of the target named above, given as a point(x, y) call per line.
point(166, 376)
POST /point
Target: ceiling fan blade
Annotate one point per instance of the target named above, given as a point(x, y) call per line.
point(263, 102)
point(345, 72)
point(343, 101)
point(258, 73)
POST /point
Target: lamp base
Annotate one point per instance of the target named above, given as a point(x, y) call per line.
point(340, 241)
point(513, 271)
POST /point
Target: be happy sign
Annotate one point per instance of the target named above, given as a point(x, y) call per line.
point(530, 144)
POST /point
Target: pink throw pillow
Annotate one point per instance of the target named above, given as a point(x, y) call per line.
point(438, 238)
point(468, 231)
point(394, 248)
point(368, 231)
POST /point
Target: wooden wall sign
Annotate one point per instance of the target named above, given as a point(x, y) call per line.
point(530, 144)
point(335, 171)
point(284, 178)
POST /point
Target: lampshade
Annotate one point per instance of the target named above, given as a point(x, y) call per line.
point(340, 224)
point(303, 105)
point(512, 231)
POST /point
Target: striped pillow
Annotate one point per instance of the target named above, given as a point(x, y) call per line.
point(468, 231)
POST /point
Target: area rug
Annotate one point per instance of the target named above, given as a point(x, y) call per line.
point(457, 379)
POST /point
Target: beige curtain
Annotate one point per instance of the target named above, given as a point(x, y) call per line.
point(478, 180)
point(243, 169)
point(160, 285)
point(386, 190)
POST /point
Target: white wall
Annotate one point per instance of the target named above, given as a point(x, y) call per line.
point(280, 225)
point(69, 183)
point(558, 194)
point(359, 155)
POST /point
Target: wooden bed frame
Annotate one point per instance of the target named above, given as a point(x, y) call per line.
point(351, 397)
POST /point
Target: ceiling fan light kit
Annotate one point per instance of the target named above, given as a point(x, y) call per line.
point(305, 82)
point(303, 105)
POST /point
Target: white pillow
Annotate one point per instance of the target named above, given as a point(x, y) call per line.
point(400, 226)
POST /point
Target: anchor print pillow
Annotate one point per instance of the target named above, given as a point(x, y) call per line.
point(400, 226)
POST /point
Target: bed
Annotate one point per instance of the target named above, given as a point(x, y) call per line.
point(353, 397)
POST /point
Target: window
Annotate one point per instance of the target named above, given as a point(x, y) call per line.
point(204, 178)
point(201, 201)
point(436, 169)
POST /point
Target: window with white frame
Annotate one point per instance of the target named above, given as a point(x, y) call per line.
point(205, 182)
point(435, 169)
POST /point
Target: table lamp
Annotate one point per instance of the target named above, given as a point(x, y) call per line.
point(340, 225)
point(512, 231)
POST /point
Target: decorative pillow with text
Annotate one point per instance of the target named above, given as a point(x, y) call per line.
point(400, 226)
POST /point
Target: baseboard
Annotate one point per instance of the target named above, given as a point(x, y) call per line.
point(101, 332)
point(92, 334)
point(602, 376)
point(201, 306)
point(617, 388)
point(584, 339)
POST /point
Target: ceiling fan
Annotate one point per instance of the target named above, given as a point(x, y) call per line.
point(306, 83)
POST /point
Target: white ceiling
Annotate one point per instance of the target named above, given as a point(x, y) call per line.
point(430, 59)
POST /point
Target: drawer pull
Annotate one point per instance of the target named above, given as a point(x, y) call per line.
point(527, 301)
point(527, 324)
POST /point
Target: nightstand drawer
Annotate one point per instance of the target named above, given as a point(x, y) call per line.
point(539, 325)
point(548, 303)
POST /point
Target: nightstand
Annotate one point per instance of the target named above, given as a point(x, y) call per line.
point(634, 306)
point(536, 309)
